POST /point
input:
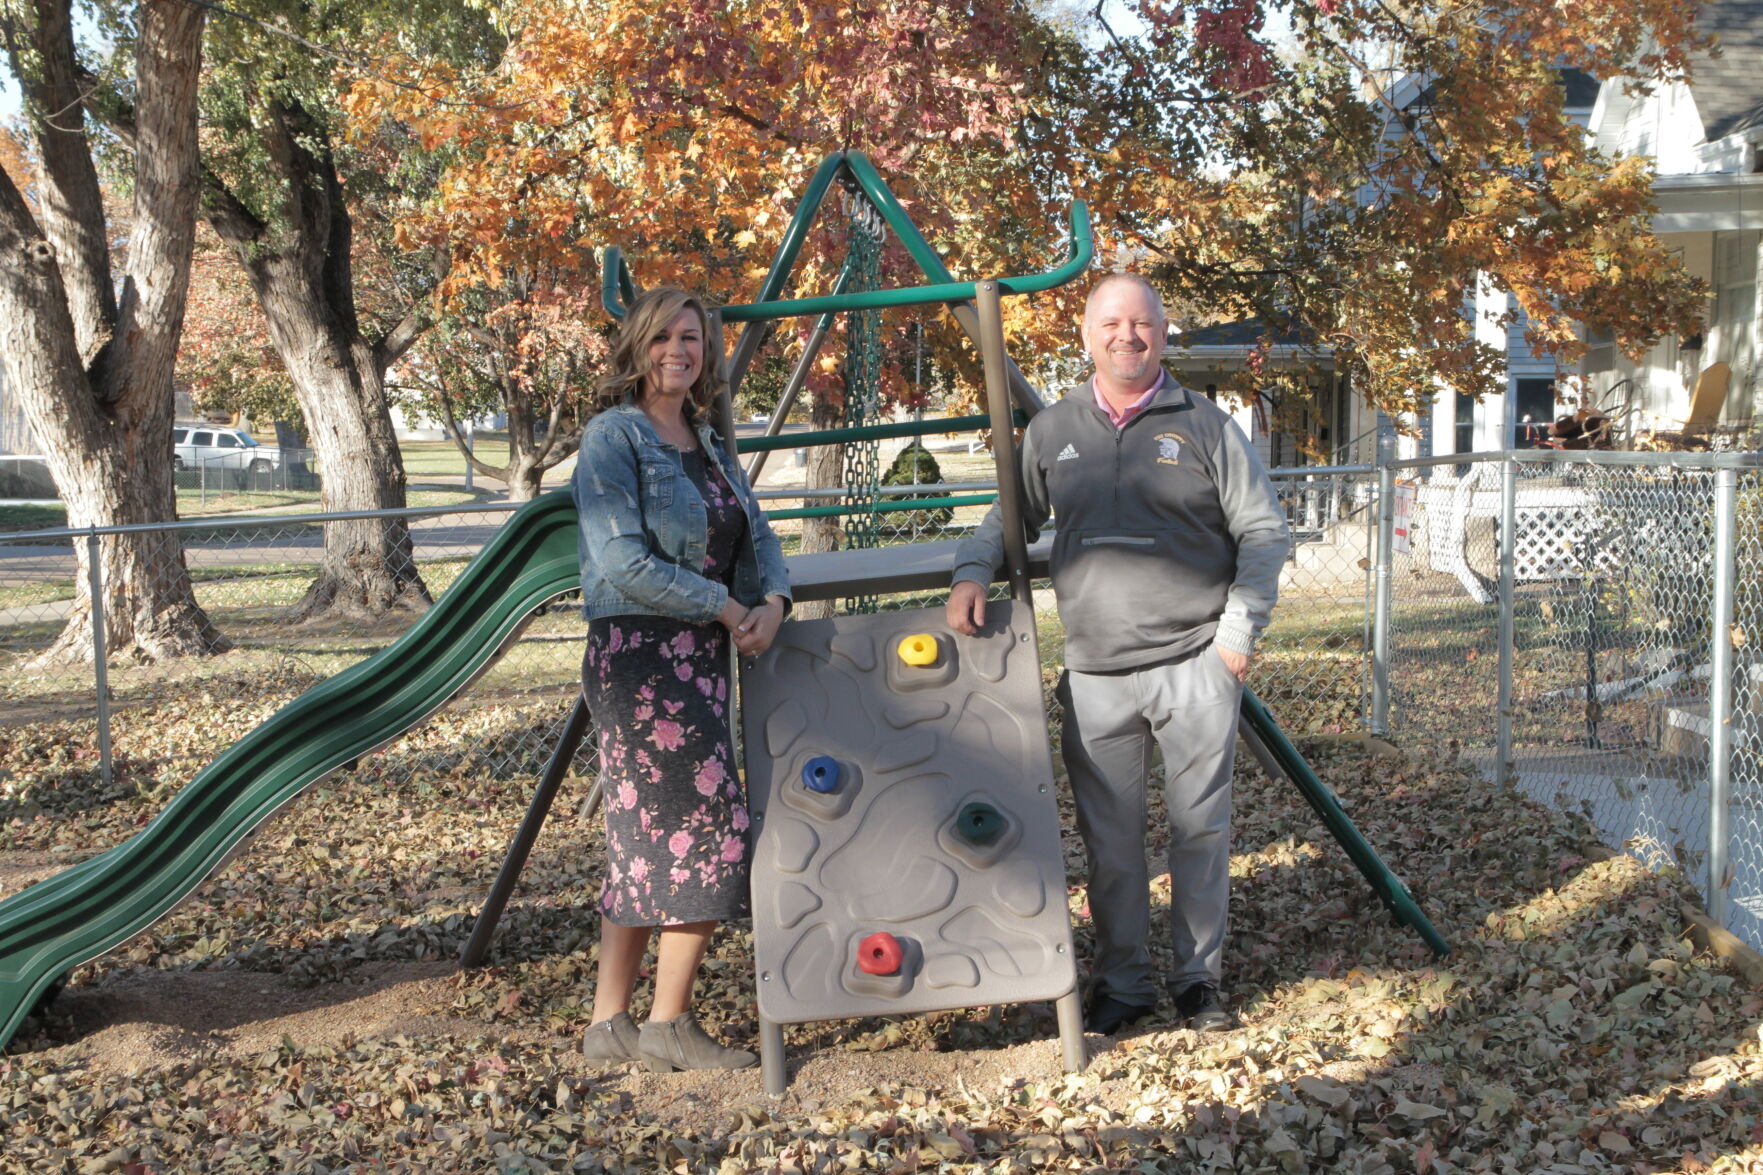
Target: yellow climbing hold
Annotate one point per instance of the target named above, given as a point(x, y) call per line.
point(919, 649)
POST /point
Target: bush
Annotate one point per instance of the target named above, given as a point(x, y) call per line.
point(913, 465)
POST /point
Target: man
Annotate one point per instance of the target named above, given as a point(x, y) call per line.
point(1166, 557)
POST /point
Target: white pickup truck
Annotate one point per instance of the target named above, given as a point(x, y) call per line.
point(205, 447)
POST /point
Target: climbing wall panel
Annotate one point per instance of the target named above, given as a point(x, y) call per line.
point(906, 832)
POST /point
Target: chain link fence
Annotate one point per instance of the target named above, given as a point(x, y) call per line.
point(1585, 625)
point(238, 473)
point(1581, 624)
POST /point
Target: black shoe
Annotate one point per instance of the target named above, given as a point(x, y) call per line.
point(1199, 1005)
point(1107, 1015)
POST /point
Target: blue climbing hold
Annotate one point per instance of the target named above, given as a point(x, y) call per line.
point(821, 774)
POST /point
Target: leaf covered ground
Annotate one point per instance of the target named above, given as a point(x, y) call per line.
point(302, 1012)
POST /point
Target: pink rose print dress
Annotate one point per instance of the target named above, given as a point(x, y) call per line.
point(658, 688)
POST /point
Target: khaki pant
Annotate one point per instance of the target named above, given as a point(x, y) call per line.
point(1190, 707)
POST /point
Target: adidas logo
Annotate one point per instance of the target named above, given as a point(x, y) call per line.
point(1068, 453)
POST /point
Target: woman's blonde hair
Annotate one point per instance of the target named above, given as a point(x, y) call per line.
point(652, 312)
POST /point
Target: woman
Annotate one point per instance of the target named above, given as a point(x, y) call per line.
point(677, 560)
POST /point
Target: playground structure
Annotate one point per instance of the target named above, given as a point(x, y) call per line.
point(1000, 836)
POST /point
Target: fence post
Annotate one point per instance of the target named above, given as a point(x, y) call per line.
point(100, 670)
point(1508, 579)
point(1380, 619)
point(1720, 690)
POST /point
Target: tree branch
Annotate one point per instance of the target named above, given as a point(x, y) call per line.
point(417, 318)
point(150, 317)
point(72, 203)
point(37, 350)
point(226, 213)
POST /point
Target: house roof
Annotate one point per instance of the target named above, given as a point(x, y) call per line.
point(1245, 334)
point(1728, 88)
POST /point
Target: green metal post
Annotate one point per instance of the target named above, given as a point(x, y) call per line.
point(1258, 724)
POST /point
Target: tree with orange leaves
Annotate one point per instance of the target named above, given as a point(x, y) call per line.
point(528, 350)
point(1289, 185)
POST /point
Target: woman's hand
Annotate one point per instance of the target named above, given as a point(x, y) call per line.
point(733, 615)
point(754, 634)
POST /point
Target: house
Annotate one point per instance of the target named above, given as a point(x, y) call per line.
point(1340, 420)
point(1348, 428)
point(1704, 140)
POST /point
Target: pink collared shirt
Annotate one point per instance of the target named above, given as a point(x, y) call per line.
point(1125, 417)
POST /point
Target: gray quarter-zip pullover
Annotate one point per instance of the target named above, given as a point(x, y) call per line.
point(1168, 533)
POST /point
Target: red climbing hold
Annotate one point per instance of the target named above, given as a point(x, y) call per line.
point(880, 954)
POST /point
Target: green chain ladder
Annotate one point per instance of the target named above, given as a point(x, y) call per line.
point(865, 231)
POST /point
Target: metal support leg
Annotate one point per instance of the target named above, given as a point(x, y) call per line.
point(1263, 754)
point(1069, 1008)
point(792, 389)
point(771, 1057)
point(717, 353)
point(992, 353)
point(485, 929)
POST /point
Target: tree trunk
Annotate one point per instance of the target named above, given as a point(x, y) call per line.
point(150, 609)
point(299, 264)
point(826, 469)
point(524, 477)
point(528, 457)
point(369, 566)
point(91, 366)
point(523, 473)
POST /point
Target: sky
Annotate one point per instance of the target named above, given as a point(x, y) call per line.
point(10, 106)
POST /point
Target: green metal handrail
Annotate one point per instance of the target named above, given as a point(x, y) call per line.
point(871, 432)
point(889, 507)
point(616, 275)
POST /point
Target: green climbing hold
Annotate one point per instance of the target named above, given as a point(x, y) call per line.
point(979, 823)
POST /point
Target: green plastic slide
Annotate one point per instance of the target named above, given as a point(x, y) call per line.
point(80, 913)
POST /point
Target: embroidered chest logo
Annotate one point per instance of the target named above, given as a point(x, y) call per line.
point(1068, 453)
point(1169, 448)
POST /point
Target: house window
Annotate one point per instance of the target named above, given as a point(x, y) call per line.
point(1534, 401)
point(1463, 420)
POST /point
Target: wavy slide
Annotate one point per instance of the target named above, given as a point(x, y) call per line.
point(80, 913)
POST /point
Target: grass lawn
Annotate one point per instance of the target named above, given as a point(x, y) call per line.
point(442, 458)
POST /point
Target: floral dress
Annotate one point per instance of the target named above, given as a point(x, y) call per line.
point(677, 840)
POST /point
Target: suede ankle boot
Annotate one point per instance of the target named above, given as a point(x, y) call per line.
point(612, 1040)
point(680, 1043)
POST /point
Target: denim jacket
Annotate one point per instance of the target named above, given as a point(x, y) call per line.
point(645, 531)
